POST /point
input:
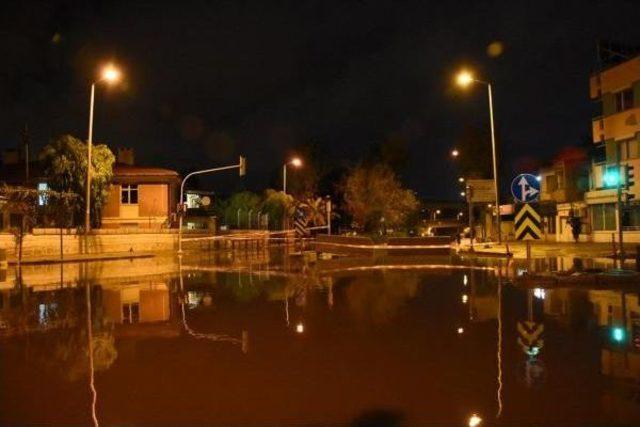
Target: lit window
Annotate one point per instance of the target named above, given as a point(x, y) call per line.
point(129, 195)
point(43, 195)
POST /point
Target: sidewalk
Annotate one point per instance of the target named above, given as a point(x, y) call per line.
point(546, 249)
point(107, 256)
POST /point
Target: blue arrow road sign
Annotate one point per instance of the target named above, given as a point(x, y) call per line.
point(525, 188)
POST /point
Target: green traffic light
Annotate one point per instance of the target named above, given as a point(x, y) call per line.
point(611, 179)
point(618, 334)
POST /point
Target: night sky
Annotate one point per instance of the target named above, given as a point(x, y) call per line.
point(208, 80)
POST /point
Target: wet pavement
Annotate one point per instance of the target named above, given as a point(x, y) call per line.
point(268, 339)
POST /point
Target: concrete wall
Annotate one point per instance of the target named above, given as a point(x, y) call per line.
point(47, 242)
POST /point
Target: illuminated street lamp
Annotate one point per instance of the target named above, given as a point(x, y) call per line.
point(295, 162)
point(461, 179)
point(455, 153)
point(110, 74)
point(465, 79)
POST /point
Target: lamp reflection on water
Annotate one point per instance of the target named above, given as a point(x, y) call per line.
point(474, 420)
point(92, 386)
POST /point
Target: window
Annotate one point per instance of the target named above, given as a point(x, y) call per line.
point(631, 217)
point(628, 149)
point(43, 195)
point(624, 100)
point(129, 195)
point(603, 217)
point(599, 153)
point(552, 183)
point(130, 313)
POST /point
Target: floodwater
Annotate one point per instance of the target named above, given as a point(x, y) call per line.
point(268, 339)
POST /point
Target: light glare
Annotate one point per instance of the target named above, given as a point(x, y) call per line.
point(111, 74)
point(464, 78)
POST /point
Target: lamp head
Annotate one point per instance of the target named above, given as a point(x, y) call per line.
point(464, 78)
point(296, 162)
point(111, 74)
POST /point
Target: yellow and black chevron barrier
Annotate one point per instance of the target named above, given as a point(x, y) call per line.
point(527, 223)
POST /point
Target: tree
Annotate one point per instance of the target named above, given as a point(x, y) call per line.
point(24, 203)
point(244, 201)
point(373, 194)
point(21, 202)
point(65, 165)
point(278, 206)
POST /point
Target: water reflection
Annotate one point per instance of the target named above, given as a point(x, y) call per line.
point(336, 340)
point(191, 299)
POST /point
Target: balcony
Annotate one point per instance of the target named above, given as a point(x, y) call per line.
point(622, 125)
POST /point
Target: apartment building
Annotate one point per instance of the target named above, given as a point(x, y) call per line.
point(615, 90)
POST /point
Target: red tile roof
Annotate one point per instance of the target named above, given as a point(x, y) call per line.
point(121, 170)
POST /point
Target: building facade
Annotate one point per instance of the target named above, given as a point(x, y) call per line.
point(139, 196)
point(562, 187)
point(615, 91)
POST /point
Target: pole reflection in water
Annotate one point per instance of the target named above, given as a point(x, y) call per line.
point(499, 355)
point(94, 394)
point(286, 307)
point(243, 342)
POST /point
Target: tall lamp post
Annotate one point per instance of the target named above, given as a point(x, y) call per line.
point(110, 74)
point(464, 79)
point(295, 162)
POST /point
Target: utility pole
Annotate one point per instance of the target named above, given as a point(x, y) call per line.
point(25, 144)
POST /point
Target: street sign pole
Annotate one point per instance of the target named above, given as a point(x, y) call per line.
point(619, 200)
point(470, 203)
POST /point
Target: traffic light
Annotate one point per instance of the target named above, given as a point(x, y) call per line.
point(628, 176)
point(611, 177)
point(618, 334)
point(242, 166)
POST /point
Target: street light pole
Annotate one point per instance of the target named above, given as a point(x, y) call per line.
point(296, 162)
point(495, 162)
point(464, 79)
point(110, 74)
point(87, 213)
point(284, 178)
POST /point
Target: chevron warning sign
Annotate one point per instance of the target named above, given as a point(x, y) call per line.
point(300, 223)
point(527, 223)
point(530, 339)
